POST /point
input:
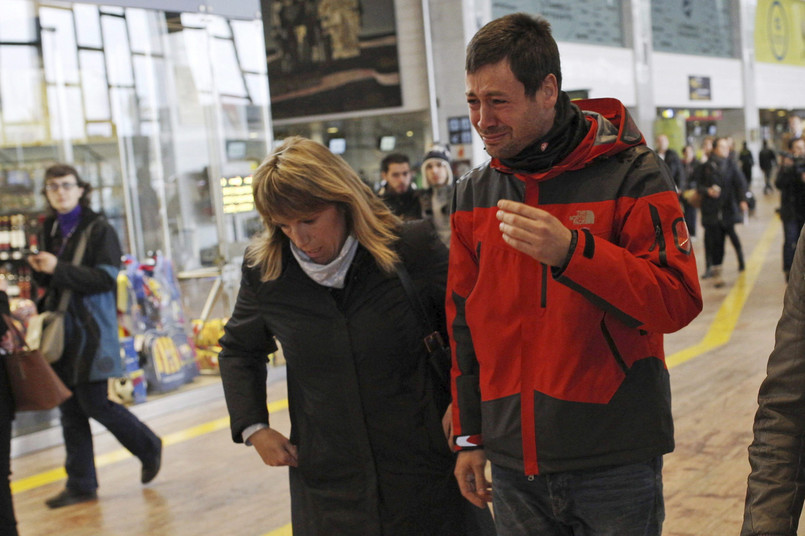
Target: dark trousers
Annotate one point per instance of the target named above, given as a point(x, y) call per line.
point(90, 400)
point(714, 240)
point(624, 500)
point(8, 523)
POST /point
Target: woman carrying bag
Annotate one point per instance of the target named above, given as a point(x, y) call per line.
point(367, 453)
point(91, 351)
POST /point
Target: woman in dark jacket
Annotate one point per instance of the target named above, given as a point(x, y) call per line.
point(723, 190)
point(8, 523)
point(92, 350)
point(367, 451)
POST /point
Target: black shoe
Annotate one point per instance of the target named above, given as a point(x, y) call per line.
point(68, 497)
point(151, 469)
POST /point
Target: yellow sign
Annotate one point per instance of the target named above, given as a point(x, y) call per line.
point(237, 194)
point(780, 32)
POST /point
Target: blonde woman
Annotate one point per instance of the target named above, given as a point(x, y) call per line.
point(367, 452)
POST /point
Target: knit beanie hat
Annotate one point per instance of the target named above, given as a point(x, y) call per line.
point(437, 152)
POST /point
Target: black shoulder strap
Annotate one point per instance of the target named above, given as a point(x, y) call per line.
point(434, 340)
point(78, 257)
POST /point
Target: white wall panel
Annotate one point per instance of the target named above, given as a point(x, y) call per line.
point(780, 86)
point(604, 71)
point(671, 87)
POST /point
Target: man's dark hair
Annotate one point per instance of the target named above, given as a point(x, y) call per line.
point(393, 158)
point(57, 171)
point(525, 41)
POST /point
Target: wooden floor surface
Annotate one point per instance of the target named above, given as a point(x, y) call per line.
point(210, 486)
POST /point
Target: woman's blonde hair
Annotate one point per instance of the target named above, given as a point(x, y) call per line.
point(302, 177)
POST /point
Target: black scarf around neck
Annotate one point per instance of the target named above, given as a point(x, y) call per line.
point(569, 128)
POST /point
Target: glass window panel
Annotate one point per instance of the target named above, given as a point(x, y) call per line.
point(581, 21)
point(58, 43)
point(228, 78)
point(17, 25)
point(118, 55)
point(93, 81)
point(88, 26)
point(143, 31)
point(258, 88)
point(250, 44)
point(66, 113)
point(124, 108)
point(20, 84)
point(702, 28)
point(100, 130)
point(216, 26)
point(113, 10)
point(199, 60)
point(150, 78)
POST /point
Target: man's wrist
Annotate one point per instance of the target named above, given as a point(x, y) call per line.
point(251, 430)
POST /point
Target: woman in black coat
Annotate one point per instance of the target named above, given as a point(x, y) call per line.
point(8, 523)
point(367, 451)
point(723, 188)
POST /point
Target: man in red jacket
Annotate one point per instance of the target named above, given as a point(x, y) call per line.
point(569, 260)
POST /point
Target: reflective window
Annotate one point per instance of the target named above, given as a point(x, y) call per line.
point(94, 84)
point(143, 31)
point(59, 47)
point(66, 113)
point(20, 84)
point(250, 44)
point(17, 25)
point(228, 76)
point(88, 26)
point(118, 54)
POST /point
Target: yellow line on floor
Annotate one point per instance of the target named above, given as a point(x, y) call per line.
point(726, 318)
point(54, 475)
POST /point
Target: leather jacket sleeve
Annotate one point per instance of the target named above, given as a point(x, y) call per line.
point(776, 487)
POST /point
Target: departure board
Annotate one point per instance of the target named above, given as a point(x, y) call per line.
point(580, 21)
point(700, 27)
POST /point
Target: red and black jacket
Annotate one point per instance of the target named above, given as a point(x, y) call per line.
point(558, 369)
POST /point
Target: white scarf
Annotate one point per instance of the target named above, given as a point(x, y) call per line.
point(333, 274)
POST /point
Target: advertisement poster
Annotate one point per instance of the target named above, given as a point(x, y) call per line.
point(331, 56)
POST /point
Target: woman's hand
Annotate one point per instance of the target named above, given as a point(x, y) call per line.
point(274, 448)
point(44, 262)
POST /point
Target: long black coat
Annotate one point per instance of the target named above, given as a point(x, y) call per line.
point(372, 456)
point(725, 209)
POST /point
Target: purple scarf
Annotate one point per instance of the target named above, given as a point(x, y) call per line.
point(67, 225)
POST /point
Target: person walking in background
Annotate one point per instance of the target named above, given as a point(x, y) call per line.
point(8, 522)
point(397, 190)
point(436, 198)
point(569, 259)
point(791, 184)
point(92, 349)
point(672, 160)
point(723, 190)
point(774, 492)
point(368, 450)
point(767, 159)
point(689, 165)
point(747, 162)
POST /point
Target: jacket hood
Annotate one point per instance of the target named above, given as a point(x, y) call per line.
point(612, 130)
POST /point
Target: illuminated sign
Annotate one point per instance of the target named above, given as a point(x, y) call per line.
point(237, 194)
